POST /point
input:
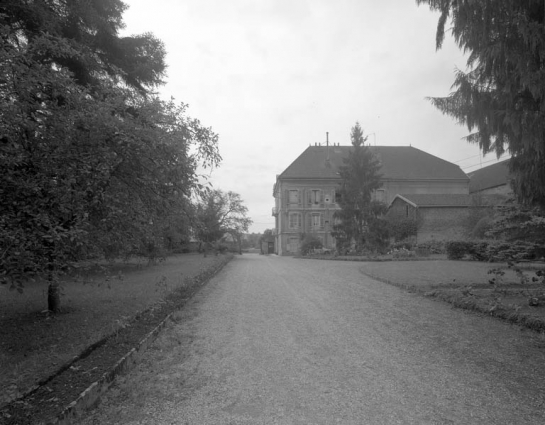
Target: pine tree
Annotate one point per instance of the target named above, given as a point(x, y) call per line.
point(501, 97)
point(360, 176)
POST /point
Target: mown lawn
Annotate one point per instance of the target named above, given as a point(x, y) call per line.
point(467, 284)
point(34, 344)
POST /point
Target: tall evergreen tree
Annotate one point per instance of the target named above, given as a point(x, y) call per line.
point(86, 33)
point(360, 177)
point(501, 97)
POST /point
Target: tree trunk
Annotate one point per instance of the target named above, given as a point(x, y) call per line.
point(53, 296)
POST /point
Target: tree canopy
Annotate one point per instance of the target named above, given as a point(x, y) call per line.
point(501, 96)
point(219, 213)
point(92, 163)
point(360, 177)
point(86, 34)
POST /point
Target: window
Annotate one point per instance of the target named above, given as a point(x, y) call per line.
point(406, 211)
point(316, 221)
point(293, 197)
point(294, 220)
point(293, 244)
point(315, 196)
point(337, 198)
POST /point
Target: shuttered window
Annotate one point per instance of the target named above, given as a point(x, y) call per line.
point(294, 220)
point(293, 197)
point(315, 196)
point(316, 220)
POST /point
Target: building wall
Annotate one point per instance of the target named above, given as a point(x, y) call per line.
point(288, 235)
point(419, 187)
point(304, 207)
point(434, 223)
point(442, 223)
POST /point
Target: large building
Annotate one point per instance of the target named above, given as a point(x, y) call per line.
point(305, 192)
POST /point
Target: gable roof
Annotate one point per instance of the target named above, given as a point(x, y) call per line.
point(489, 177)
point(440, 200)
point(398, 162)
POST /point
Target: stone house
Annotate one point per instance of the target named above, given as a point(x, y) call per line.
point(438, 217)
point(305, 192)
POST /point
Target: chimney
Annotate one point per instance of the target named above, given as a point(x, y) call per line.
point(327, 161)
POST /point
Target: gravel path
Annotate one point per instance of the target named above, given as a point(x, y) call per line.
point(274, 340)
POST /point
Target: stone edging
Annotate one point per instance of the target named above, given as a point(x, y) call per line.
point(91, 395)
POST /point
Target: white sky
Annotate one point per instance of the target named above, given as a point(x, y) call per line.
point(273, 76)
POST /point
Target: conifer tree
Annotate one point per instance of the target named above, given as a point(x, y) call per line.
point(501, 96)
point(360, 177)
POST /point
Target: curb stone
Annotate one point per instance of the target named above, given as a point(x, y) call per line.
point(91, 395)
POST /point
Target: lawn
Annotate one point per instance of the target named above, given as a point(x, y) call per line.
point(467, 284)
point(95, 304)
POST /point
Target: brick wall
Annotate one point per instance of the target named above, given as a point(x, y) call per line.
point(442, 223)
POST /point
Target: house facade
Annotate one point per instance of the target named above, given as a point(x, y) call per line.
point(438, 217)
point(305, 192)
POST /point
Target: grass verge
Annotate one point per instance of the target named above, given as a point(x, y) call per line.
point(466, 284)
point(35, 346)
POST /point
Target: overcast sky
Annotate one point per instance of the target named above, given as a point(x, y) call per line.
point(273, 76)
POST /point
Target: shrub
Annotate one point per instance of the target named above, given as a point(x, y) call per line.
point(309, 243)
point(402, 253)
point(456, 250)
point(402, 245)
point(481, 227)
point(433, 246)
point(514, 251)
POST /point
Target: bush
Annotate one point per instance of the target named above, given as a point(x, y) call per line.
point(494, 252)
point(402, 253)
point(402, 245)
point(456, 250)
point(309, 243)
point(514, 251)
point(433, 246)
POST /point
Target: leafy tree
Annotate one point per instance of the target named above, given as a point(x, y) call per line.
point(359, 178)
point(219, 213)
point(89, 45)
point(501, 97)
point(91, 167)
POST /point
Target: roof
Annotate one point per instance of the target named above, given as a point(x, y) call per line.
point(440, 200)
point(488, 177)
point(398, 162)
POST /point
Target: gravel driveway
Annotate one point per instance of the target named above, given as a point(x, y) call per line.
point(274, 340)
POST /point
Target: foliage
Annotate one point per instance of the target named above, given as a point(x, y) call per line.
point(433, 246)
point(219, 213)
point(91, 167)
point(359, 218)
point(516, 222)
point(500, 251)
point(402, 253)
point(456, 250)
point(402, 228)
point(479, 217)
point(87, 34)
point(308, 243)
point(501, 95)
